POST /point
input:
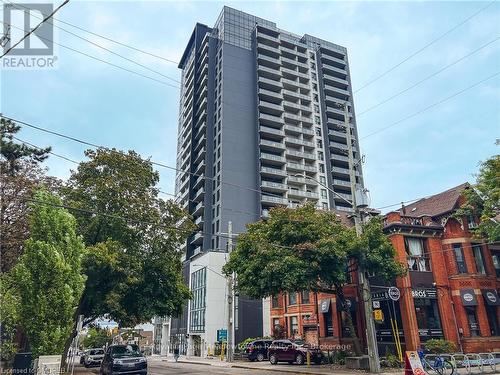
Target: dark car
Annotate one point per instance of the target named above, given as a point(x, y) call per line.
point(124, 359)
point(257, 350)
point(293, 351)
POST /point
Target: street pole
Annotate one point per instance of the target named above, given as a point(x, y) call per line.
point(230, 301)
point(371, 338)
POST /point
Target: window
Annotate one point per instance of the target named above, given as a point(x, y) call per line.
point(294, 324)
point(471, 223)
point(317, 130)
point(275, 302)
point(459, 257)
point(317, 121)
point(319, 143)
point(276, 322)
point(322, 179)
point(472, 320)
point(323, 194)
point(496, 263)
point(316, 108)
point(322, 168)
point(292, 298)
point(197, 312)
point(305, 296)
point(417, 256)
point(314, 76)
point(325, 206)
point(478, 258)
point(321, 156)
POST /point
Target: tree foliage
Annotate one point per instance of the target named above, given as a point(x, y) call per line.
point(483, 200)
point(307, 249)
point(48, 278)
point(133, 266)
point(96, 337)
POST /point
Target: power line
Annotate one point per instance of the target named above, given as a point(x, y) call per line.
point(101, 60)
point(35, 28)
point(113, 40)
point(428, 77)
point(424, 47)
point(102, 47)
point(432, 105)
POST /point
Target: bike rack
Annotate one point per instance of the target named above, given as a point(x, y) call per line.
point(475, 361)
point(460, 361)
point(488, 359)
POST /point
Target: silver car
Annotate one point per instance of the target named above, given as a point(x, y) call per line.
point(93, 357)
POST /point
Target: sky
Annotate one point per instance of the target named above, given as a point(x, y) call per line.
point(421, 155)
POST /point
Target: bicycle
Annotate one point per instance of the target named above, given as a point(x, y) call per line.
point(439, 365)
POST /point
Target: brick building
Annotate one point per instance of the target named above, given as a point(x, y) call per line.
point(450, 291)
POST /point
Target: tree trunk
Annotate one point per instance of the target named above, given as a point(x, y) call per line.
point(350, 325)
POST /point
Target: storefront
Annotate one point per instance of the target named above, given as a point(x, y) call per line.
point(387, 323)
point(347, 317)
point(325, 309)
point(469, 301)
point(491, 303)
point(427, 313)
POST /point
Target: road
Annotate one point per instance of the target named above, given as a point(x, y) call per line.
point(164, 368)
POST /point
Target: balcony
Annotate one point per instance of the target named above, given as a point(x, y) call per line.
point(336, 72)
point(198, 209)
point(296, 95)
point(291, 116)
point(200, 155)
point(335, 91)
point(272, 172)
point(341, 146)
point(274, 159)
point(273, 186)
point(274, 200)
point(199, 221)
point(271, 120)
point(269, 60)
point(271, 131)
point(344, 196)
point(299, 154)
point(199, 195)
point(298, 141)
point(341, 183)
point(298, 130)
point(294, 62)
point(200, 168)
point(270, 96)
point(343, 172)
point(330, 60)
point(302, 194)
point(294, 73)
point(300, 167)
point(274, 109)
point(288, 83)
point(261, 36)
point(270, 84)
point(197, 239)
point(268, 50)
point(270, 145)
point(199, 182)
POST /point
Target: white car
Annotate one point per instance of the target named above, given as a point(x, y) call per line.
point(93, 357)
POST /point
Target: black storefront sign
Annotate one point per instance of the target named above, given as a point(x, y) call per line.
point(424, 293)
point(350, 304)
point(380, 296)
point(468, 297)
point(324, 306)
point(491, 297)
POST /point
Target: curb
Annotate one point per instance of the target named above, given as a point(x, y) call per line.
point(282, 370)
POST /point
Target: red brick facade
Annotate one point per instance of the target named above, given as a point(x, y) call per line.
point(450, 290)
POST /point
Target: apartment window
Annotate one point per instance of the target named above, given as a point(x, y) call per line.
point(323, 194)
point(459, 258)
point(276, 322)
point(319, 143)
point(313, 65)
point(292, 298)
point(418, 259)
point(316, 97)
point(317, 130)
point(321, 156)
point(316, 108)
point(275, 302)
point(478, 258)
point(322, 168)
point(311, 55)
point(325, 206)
point(217, 226)
point(496, 263)
point(305, 297)
point(198, 289)
point(471, 223)
point(294, 324)
point(314, 76)
point(218, 210)
point(317, 120)
point(322, 179)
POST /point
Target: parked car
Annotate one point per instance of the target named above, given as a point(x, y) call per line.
point(82, 357)
point(93, 357)
point(124, 359)
point(257, 350)
point(293, 351)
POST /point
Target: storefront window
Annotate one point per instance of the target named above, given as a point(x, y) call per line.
point(327, 317)
point(459, 258)
point(478, 257)
point(418, 259)
point(491, 312)
point(472, 319)
point(428, 319)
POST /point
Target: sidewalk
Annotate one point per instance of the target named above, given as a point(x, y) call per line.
point(281, 367)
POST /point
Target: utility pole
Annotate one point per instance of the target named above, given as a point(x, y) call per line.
point(371, 338)
point(230, 299)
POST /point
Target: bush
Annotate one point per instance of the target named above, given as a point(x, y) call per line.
point(440, 346)
point(338, 356)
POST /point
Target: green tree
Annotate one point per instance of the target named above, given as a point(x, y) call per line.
point(9, 307)
point(307, 249)
point(48, 278)
point(133, 264)
point(11, 153)
point(96, 337)
point(483, 200)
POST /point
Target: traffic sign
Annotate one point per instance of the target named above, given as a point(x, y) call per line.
point(222, 335)
point(394, 293)
point(378, 315)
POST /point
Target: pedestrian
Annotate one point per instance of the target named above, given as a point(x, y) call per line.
point(176, 352)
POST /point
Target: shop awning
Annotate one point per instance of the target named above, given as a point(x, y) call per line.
point(468, 297)
point(324, 306)
point(491, 297)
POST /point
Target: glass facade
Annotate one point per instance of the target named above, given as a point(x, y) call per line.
point(198, 303)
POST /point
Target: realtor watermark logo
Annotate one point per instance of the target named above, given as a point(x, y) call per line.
point(37, 50)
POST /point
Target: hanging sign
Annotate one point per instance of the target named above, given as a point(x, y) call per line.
point(394, 293)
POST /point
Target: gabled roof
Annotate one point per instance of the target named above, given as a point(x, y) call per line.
point(435, 205)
